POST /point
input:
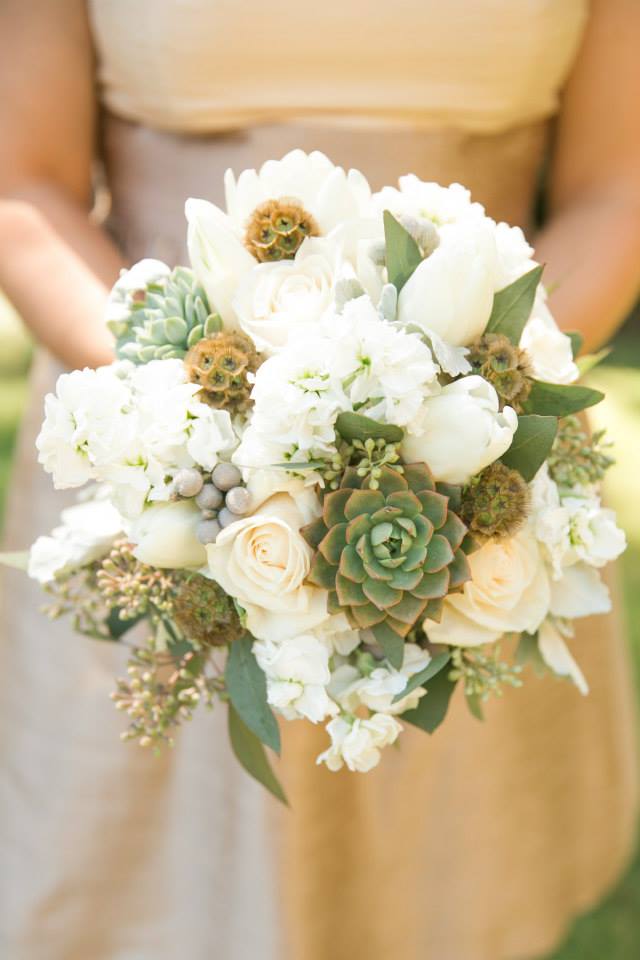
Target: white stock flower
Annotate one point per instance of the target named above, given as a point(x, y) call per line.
point(86, 533)
point(357, 742)
point(515, 256)
point(508, 592)
point(548, 349)
point(165, 535)
point(379, 362)
point(377, 690)
point(451, 292)
point(263, 562)
point(132, 427)
point(276, 301)
point(461, 431)
point(557, 656)
point(324, 190)
point(428, 201)
point(297, 670)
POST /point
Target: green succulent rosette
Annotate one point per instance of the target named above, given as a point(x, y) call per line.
point(389, 556)
point(165, 320)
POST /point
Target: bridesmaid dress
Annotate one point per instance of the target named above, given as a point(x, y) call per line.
point(479, 843)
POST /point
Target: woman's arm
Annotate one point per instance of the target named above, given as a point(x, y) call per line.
point(55, 264)
point(591, 243)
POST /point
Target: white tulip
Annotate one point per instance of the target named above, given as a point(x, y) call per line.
point(451, 292)
point(218, 256)
point(461, 431)
point(165, 535)
point(579, 592)
point(557, 656)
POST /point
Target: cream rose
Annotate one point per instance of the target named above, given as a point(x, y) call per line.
point(509, 592)
point(278, 300)
point(263, 561)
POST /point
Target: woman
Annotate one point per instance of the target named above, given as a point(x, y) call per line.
point(478, 844)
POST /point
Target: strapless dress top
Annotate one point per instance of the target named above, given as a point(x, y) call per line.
point(214, 65)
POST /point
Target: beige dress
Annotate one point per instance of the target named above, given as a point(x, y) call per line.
point(479, 843)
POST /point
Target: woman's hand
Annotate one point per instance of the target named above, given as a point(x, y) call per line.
point(591, 243)
point(55, 264)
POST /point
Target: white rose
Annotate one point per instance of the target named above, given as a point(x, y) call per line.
point(451, 292)
point(508, 592)
point(357, 743)
point(165, 535)
point(263, 562)
point(276, 301)
point(548, 349)
point(86, 533)
point(461, 431)
point(297, 672)
point(323, 190)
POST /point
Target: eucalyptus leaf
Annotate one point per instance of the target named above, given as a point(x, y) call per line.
point(591, 360)
point(528, 653)
point(117, 627)
point(512, 306)
point(401, 251)
point(435, 665)
point(560, 400)
point(252, 755)
point(576, 341)
point(355, 426)
point(432, 708)
point(475, 705)
point(18, 559)
point(301, 465)
point(247, 688)
point(531, 444)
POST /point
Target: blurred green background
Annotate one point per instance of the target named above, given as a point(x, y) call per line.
point(612, 931)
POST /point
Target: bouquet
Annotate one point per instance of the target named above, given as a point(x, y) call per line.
point(334, 472)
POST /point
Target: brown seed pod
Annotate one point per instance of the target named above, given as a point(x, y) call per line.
point(221, 365)
point(277, 228)
point(506, 367)
point(496, 503)
point(204, 612)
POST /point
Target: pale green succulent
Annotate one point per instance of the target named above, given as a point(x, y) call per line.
point(165, 319)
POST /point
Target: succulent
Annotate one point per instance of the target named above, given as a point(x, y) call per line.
point(495, 503)
point(506, 367)
point(165, 319)
point(277, 229)
point(221, 365)
point(205, 613)
point(388, 556)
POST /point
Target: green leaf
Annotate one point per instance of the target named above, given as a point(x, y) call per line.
point(591, 360)
point(355, 426)
point(252, 755)
point(435, 665)
point(402, 252)
point(432, 709)
point(475, 705)
point(576, 341)
point(18, 559)
point(392, 643)
point(300, 465)
point(527, 652)
point(117, 627)
point(512, 306)
point(555, 399)
point(247, 687)
point(531, 445)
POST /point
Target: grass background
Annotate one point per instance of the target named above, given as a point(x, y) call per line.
point(612, 931)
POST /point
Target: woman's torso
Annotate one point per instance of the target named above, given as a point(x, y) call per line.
point(461, 90)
